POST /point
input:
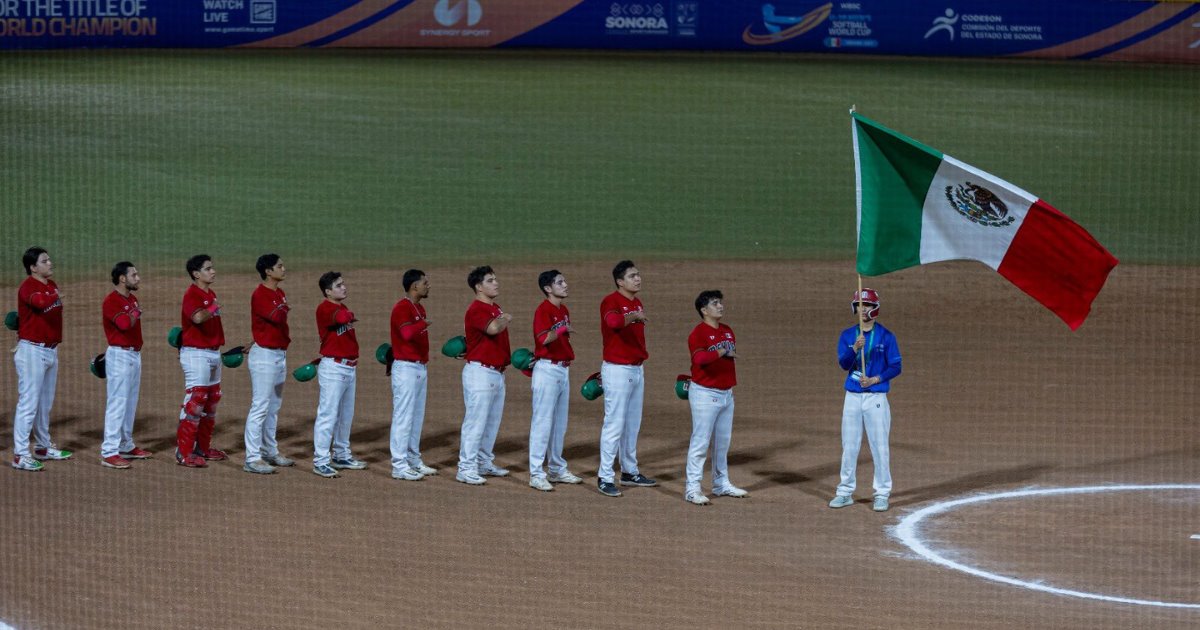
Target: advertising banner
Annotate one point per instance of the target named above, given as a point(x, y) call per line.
point(1064, 29)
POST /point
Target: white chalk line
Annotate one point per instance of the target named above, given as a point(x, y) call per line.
point(908, 533)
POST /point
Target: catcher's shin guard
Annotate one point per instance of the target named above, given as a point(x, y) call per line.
point(185, 437)
point(204, 434)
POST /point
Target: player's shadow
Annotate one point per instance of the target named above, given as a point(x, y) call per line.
point(973, 482)
point(581, 450)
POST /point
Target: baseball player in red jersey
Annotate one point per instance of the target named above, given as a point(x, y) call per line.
point(122, 320)
point(551, 384)
point(713, 347)
point(410, 354)
point(488, 354)
point(200, 359)
point(337, 374)
point(39, 309)
point(268, 366)
point(623, 328)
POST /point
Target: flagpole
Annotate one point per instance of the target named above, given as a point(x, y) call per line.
point(862, 362)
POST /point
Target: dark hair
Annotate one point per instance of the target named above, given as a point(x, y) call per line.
point(327, 280)
point(265, 262)
point(410, 277)
point(195, 263)
point(704, 298)
point(546, 278)
point(120, 269)
point(620, 269)
point(477, 274)
point(30, 258)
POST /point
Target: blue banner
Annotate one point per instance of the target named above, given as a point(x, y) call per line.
point(1079, 29)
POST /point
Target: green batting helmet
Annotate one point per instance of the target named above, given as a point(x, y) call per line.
point(522, 359)
point(682, 383)
point(383, 353)
point(455, 347)
point(305, 373)
point(11, 321)
point(592, 388)
point(97, 366)
point(233, 357)
point(174, 337)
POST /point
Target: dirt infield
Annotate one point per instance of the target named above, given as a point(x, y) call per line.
point(996, 394)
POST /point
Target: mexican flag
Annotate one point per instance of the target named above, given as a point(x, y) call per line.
point(917, 206)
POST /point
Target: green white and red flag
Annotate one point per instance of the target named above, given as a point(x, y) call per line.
point(918, 206)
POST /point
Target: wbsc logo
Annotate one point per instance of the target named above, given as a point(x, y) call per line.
point(449, 13)
point(780, 28)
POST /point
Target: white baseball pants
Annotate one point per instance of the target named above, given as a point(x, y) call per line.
point(872, 411)
point(483, 397)
point(548, 424)
point(200, 368)
point(123, 373)
point(335, 411)
point(409, 386)
point(712, 422)
point(268, 371)
point(624, 387)
point(37, 376)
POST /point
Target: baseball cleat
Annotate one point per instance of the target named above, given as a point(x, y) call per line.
point(278, 460)
point(191, 461)
point(470, 477)
point(841, 501)
point(114, 461)
point(565, 477)
point(136, 453)
point(50, 453)
point(695, 497)
point(730, 491)
point(880, 504)
point(259, 467)
point(637, 480)
point(492, 470)
point(27, 463)
point(607, 488)
point(540, 483)
point(325, 471)
point(348, 464)
point(211, 454)
point(423, 469)
point(407, 474)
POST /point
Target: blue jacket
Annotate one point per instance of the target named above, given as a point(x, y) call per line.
point(882, 355)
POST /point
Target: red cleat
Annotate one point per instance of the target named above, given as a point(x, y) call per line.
point(191, 461)
point(137, 453)
point(211, 454)
point(114, 461)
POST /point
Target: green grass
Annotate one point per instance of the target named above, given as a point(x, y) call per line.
point(398, 158)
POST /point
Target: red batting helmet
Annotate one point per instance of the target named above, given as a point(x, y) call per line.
point(866, 296)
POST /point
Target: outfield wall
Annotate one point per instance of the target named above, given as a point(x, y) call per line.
point(1056, 29)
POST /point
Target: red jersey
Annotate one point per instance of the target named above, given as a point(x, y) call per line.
point(268, 318)
point(335, 325)
point(708, 369)
point(39, 308)
point(122, 320)
point(487, 349)
point(209, 335)
point(410, 332)
point(546, 318)
point(623, 345)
